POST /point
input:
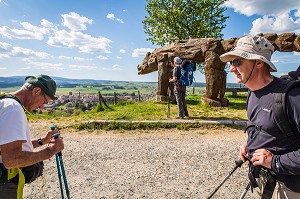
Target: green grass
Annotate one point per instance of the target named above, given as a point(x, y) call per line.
point(138, 111)
point(151, 110)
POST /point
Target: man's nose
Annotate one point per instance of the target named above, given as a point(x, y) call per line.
point(232, 68)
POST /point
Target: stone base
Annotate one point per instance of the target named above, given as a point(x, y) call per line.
point(165, 98)
point(224, 102)
point(219, 102)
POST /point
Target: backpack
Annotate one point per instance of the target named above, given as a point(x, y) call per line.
point(187, 69)
point(279, 101)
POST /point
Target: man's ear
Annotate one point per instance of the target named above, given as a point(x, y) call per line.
point(36, 91)
point(259, 63)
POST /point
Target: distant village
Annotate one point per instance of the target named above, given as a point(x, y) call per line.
point(85, 102)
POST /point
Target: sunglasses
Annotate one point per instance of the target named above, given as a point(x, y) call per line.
point(236, 62)
point(45, 99)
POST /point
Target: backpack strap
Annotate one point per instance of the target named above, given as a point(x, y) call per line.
point(279, 108)
point(5, 95)
point(248, 97)
point(178, 73)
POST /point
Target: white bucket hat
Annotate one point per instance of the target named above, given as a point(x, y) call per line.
point(252, 47)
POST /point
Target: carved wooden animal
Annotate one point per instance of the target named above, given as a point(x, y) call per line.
point(207, 51)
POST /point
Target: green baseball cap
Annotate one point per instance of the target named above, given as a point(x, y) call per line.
point(46, 83)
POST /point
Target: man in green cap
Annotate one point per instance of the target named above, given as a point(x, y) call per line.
point(16, 145)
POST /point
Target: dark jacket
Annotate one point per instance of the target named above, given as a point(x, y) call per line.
point(286, 162)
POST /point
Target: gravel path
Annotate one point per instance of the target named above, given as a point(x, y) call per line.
point(145, 164)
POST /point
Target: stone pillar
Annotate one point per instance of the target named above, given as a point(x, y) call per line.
point(215, 78)
point(164, 73)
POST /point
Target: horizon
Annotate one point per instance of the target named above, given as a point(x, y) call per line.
point(36, 40)
point(57, 77)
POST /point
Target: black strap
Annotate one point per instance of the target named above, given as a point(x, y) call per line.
point(279, 108)
point(3, 174)
point(270, 184)
point(4, 95)
point(259, 171)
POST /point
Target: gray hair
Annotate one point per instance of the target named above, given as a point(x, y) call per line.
point(28, 86)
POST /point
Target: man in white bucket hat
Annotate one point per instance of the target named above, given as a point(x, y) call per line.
point(274, 155)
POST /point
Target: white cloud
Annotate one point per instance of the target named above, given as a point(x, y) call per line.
point(74, 21)
point(27, 68)
point(47, 24)
point(64, 57)
point(1, 1)
point(3, 68)
point(7, 51)
point(86, 43)
point(140, 52)
point(82, 67)
point(116, 67)
point(280, 24)
point(46, 66)
point(111, 16)
point(4, 47)
point(82, 59)
point(122, 51)
point(30, 32)
point(276, 15)
point(265, 7)
point(119, 57)
point(102, 57)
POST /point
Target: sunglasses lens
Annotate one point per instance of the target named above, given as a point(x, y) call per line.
point(236, 62)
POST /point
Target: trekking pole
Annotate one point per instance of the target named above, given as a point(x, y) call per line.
point(169, 100)
point(59, 176)
point(238, 163)
point(61, 169)
point(245, 190)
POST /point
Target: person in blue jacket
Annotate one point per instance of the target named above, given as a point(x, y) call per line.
point(274, 156)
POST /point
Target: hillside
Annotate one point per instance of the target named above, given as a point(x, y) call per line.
point(61, 82)
point(15, 81)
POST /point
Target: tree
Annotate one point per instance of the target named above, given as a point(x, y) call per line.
point(172, 20)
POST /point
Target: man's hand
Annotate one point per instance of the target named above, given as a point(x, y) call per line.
point(262, 157)
point(49, 134)
point(243, 153)
point(56, 145)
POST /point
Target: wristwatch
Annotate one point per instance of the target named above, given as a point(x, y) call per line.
point(40, 141)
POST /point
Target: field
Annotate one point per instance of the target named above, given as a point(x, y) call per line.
point(147, 110)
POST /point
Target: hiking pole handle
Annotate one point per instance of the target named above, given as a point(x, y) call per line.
point(238, 163)
point(56, 135)
point(52, 127)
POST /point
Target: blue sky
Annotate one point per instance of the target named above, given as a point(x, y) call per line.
point(105, 40)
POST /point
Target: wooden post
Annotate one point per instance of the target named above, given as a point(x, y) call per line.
point(139, 95)
point(102, 99)
point(115, 98)
point(99, 98)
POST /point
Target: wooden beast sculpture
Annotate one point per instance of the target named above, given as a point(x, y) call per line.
point(207, 51)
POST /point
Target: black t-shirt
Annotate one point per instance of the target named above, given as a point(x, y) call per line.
point(259, 112)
